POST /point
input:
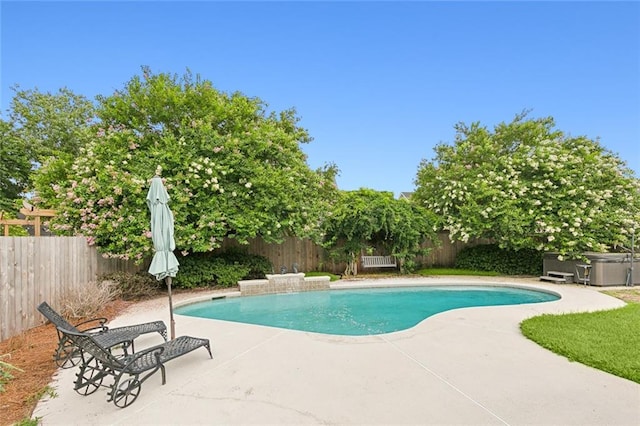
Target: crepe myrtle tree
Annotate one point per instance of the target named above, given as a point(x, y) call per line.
point(231, 170)
point(365, 219)
point(527, 185)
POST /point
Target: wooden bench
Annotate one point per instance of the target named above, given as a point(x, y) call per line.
point(379, 262)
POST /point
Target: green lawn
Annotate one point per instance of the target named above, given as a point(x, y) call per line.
point(451, 271)
point(332, 277)
point(606, 340)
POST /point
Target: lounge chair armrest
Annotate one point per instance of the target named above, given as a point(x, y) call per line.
point(101, 321)
point(155, 351)
point(96, 330)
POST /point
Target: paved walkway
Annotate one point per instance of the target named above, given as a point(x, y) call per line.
point(462, 367)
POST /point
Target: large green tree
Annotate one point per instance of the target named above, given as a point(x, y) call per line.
point(14, 167)
point(232, 170)
point(46, 128)
point(51, 123)
point(365, 219)
point(528, 185)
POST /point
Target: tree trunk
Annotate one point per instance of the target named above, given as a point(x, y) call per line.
point(352, 266)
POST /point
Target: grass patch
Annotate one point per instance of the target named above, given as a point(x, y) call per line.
point(606, 340)
point(452, 271)
point(29, 422)
point(5, 372)
point(45, 391)
point(332, 277)
point(629, 295)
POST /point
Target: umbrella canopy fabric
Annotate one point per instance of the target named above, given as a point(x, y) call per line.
point(164, 263)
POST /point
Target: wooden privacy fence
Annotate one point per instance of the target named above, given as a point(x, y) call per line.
point(49, 269)
point(311, 257)
point(304, 253)
point(445, 254)
point(34, 269)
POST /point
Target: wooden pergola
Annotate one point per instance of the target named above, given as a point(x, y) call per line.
point(32, 218)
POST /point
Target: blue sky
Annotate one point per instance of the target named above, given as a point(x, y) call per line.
point(377, 84)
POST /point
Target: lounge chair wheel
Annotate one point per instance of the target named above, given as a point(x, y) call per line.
point(127, 392)
point(67, 355)
point(89, 378)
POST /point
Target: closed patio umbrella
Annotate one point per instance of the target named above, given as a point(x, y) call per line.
point(164, 264)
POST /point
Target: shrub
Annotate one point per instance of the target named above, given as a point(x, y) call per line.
point(195, 271)
point(203, 270)
point(408, 266)
point(258, 265)
point(134, 286)
point(87, 300)
point(227, 274)
point(492, 258)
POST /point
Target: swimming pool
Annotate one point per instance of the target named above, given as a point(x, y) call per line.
point(358, 312)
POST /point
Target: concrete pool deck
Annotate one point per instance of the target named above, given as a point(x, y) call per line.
point(468, 366)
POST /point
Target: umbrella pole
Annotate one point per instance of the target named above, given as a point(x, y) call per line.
point(172, 322)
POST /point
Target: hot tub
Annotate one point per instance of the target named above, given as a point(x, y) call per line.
point(607, 269)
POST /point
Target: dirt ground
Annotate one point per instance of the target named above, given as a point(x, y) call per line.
point(32, 352)
point(630, 295)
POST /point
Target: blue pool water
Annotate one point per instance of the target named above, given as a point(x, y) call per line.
point(358, 312)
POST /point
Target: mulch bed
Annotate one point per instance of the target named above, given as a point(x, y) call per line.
point(32, 352)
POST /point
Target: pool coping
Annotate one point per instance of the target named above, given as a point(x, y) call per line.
point(362, 284)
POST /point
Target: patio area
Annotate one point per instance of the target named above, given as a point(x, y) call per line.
point(466, 366)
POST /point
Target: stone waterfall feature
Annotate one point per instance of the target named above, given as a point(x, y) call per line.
point(283, 283)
